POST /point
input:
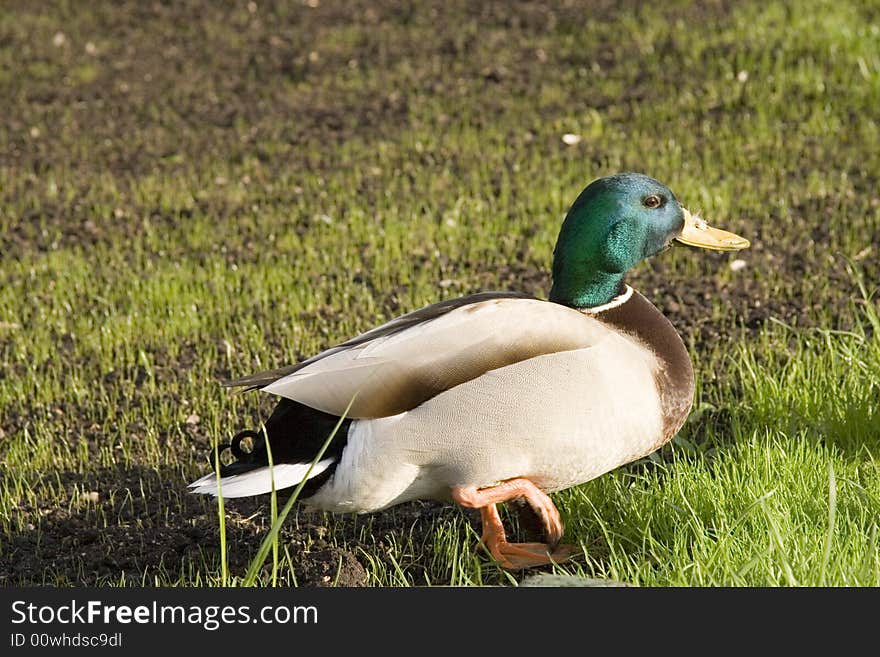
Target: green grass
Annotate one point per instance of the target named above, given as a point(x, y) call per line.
point(205, 192)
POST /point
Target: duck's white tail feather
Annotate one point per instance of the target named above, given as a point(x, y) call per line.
point(258, 480)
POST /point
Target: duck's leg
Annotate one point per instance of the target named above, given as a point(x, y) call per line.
point(516, 555)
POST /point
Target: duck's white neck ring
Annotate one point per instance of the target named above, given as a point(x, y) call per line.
point(619, 300)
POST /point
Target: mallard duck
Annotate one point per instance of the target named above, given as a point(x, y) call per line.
point(494, 396)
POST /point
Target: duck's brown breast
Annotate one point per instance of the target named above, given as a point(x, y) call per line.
point(674, 378)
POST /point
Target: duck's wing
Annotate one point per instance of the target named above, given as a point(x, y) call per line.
point(396, 325)
point(397, 366)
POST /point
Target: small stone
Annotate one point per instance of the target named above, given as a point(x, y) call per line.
point(571, 139)
point(737, 265)
point(193, 419)
point(91, 49)
point(742, 76)
point(91, 496)
point(59, 39)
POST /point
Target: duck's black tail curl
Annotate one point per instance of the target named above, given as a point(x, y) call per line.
point(294, 434)
point(247, 447)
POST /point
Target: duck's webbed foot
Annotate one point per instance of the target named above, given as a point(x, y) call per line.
point(516, 555)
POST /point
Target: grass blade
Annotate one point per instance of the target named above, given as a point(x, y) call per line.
point(273, 504)
point(221, 512)
point(779, 546)
point(260, 558)
point(832, 516)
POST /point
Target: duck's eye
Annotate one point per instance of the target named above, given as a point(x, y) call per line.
point(653, 201)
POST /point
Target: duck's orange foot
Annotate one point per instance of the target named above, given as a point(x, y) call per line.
point(516, 555)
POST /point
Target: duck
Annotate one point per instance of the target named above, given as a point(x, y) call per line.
point(495, 396)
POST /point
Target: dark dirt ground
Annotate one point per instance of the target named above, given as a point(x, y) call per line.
point(181, 82)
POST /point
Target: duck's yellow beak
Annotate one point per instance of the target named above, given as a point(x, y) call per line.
point(698, 233)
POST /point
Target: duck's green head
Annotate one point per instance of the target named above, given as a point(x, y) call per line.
point(614, 224)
